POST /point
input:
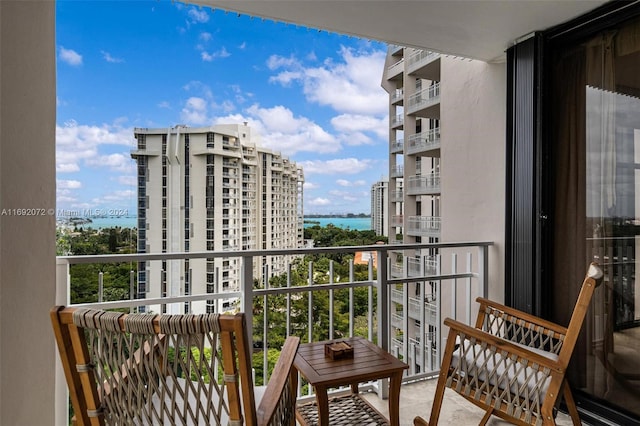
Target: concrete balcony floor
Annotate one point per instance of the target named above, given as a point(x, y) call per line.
point(416, 400)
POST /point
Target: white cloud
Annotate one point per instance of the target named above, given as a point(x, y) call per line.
point(115, 162)
point(310, 185)
point(338, 166)
point(70, 56)
point(68, 184)
point(280, 130)
point(200, 87)
point(205, 36)
point(319, 202)
point(67, 168)
point(356, 124)
point(129, 180)
point(210, 57)
point(116, 196)
point(285, 78)
point(343, 182)
point(164, 104)
point(76, 143)
point(352, 85)
point(347, 196)
point(195, 111)
point(107, 57)
point(275, 61)
point(198, 15)
point(243, 45)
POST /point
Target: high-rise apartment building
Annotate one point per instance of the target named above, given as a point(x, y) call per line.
point(412, 78)
point(380, 207)
point(211, 189)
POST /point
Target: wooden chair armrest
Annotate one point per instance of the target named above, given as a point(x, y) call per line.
point(284, 374)
point(520, 315)
point(456, 328)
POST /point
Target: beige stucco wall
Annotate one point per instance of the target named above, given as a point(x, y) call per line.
point(473, 126)
point(27, 180)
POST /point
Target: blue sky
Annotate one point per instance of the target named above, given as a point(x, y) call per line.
point(314, 96)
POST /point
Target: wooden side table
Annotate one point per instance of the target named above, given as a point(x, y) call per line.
point(369, 362)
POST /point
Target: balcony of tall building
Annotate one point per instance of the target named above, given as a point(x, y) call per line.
point(395, 70)
point(423, 184)
point(425, 103)
point(424, 143)
point(424, 64)
point(423, 226)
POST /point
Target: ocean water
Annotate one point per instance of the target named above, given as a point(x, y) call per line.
point(355, 223)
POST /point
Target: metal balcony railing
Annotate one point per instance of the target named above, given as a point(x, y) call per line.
point(395, 69)
point(423, 226)
point(397, 95)
point(397, 121)
point(397, 146)
point(397, 171)
point(423, 184)
point(423, 141)
point(420, 58)
point(334, 291)
point(424, 98)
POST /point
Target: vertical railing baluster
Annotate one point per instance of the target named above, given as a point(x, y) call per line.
point(351, 298)
point(330, 300)
point(132, 284)
point(246, 302)
point(423, 319)
point(310, 306)
point(310, 315)
point(454, 286)
point(438, 285)
point(265, 326)
point(100, 287)
point(483, 270)
point(468, 289)
point(383, 314)
point(370, 303)
point(288, 299)
point(407, 307)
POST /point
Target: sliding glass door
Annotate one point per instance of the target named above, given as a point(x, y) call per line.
point(595, 151)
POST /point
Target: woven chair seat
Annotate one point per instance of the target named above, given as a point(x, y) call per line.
point(350, 410)
point(487, 363)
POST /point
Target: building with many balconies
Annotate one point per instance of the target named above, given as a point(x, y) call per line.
point(380, 207)
point(211, 189)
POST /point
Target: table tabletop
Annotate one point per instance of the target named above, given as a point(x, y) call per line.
point(369, 362)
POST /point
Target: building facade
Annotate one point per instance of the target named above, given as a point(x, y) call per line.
point(380, 207)
point(432, 197)
point(211, 189)
point(412, 79)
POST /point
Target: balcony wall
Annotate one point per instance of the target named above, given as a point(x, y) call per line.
point(27, 172)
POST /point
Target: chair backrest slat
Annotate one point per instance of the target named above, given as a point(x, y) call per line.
point(156, 369)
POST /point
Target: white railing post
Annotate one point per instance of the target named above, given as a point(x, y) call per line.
point(331, 301)
point(63, 283)
point(468, 289)
point(100, 287)
point(246, 302)
point(351, 298)
point(383, 315)
point(132, 283)
point(483, 269)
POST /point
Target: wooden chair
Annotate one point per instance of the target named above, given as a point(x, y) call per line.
point(512, 364)
point(147, 369)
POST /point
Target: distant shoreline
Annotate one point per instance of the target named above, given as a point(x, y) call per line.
point(355, 222)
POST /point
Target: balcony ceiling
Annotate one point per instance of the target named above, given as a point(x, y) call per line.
point(480, 29)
